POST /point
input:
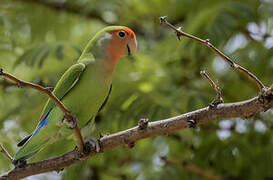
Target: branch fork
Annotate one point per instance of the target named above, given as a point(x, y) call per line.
point(179, 33)
point(218, 100)
point(265, 94)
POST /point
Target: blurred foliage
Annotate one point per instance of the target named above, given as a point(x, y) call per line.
point(39, 42)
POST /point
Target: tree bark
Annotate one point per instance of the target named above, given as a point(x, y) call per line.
point(242, 109)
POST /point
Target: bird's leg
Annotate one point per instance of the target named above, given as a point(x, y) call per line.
point(70, 120)
point(19, 163)
point(90, 143)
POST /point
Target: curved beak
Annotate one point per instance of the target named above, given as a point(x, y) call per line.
point(132, 46)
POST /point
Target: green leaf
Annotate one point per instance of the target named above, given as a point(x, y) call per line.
point(38, 54)
point(60, 51)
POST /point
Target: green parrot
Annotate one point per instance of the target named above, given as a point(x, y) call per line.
point(83, 89)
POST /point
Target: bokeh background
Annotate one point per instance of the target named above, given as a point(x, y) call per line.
point(40, 39)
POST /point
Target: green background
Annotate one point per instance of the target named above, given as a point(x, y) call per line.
point(39, 42)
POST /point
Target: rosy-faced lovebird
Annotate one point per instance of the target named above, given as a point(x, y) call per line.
point(83, 88)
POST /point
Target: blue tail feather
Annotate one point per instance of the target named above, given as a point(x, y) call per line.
point(41, 124)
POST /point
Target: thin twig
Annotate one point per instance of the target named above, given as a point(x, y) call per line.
point(192, 168)
point(206, 42)
point(58, 103)
point(3, 150)
point(213, 85)
point(218, 99)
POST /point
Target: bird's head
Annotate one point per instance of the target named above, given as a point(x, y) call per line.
point(114, 42)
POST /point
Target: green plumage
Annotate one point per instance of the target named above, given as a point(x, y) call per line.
point(82, 89)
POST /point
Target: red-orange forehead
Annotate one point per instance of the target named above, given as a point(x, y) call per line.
point(129, 31)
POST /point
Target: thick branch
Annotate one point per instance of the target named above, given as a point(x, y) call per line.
point(242, 109)
point(46, 91)
point(206, 42)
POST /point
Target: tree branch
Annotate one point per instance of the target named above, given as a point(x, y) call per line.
point(241, 109)
point(218, 99)
point(3, 150)
point(70, 118)
point(206, 42)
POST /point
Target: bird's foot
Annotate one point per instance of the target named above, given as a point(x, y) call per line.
point(143, 123)
point(192, 123)
point(89, 143)
point(70, 120)
point(19, 163)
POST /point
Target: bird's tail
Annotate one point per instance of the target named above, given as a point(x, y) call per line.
point(29, 148)
point(21, 143)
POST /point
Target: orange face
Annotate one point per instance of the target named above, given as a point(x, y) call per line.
point(123, 42)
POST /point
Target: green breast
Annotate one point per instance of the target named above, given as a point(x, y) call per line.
point(87, 96)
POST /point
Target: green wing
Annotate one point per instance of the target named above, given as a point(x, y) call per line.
point(106, 99)
point(67, 81)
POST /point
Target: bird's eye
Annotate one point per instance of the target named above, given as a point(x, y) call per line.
point(121, 34)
